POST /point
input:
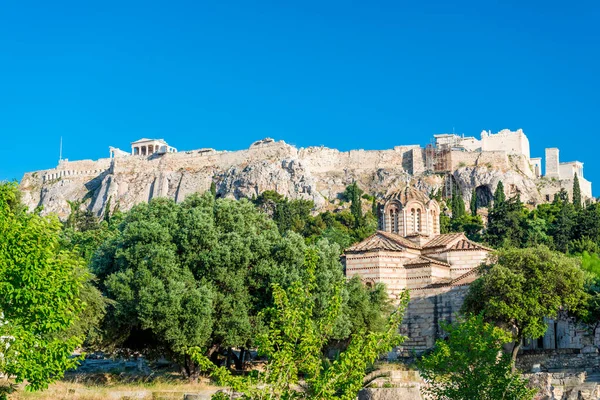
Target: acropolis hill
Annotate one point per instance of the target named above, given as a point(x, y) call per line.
point(154, 169)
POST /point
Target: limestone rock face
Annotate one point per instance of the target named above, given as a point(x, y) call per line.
point(316, 173)
point(485, 180)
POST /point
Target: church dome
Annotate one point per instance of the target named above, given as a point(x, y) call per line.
point(407, 194)
point(410, 212)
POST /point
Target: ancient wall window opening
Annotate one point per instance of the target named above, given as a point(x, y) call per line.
point(418, 222)
point(413, 219)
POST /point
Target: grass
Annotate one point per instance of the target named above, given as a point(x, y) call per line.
point(111, 387)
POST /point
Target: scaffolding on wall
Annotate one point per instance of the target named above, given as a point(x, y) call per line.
point(437, 160)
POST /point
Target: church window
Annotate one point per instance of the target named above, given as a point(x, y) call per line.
point(394, 219)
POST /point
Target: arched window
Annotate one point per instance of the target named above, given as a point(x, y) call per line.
point(418, 222)
point(394, 219)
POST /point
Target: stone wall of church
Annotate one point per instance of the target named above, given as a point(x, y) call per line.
point(380, 266)
point(427, 308)
point(426, 275)
point(465, 261)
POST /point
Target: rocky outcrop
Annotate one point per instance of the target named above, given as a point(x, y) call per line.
point(316, 173)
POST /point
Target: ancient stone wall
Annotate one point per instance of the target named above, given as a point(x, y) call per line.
point(493, 159)
point(427, 308)
point(514, 143)
point(318, 174)
point(552, 164)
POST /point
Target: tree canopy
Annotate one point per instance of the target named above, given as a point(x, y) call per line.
point(198, 274)
point(521, 287)
point(470, 364)
point(40, 284)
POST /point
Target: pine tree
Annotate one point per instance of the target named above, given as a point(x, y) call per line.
point(576, 193)
point(474, 202)
point(499, 195)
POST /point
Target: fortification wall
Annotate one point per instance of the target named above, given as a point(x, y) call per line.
point(316, 173)
point(496, 159)
point(506, 140)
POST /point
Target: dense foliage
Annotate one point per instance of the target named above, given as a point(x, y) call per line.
point(521, 287)
point(199, 273)
point(40, 286)
point(470, 364)
point(294, 344)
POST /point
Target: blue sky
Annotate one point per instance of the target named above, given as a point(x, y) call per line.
point(344, 74)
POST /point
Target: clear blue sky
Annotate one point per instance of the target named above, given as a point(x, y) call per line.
point(343, 74)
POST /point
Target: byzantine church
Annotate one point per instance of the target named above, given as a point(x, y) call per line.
point(408, 252)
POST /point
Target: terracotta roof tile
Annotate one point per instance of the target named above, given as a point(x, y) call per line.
point(443, 240)
point(466, 244)
point(383, 241)
point(465, 279)
point(424, 261)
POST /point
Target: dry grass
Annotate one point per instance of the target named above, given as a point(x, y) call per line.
point(107, 387)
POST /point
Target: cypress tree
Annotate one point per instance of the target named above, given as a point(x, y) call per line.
point(374, 209)
point(458, 203)
point(213, 189)
point(474, 202)
point(499, 196)
point(576, 193)
point(356, 206)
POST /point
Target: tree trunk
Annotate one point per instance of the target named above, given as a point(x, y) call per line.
point(238, 361)
point(515, 353)
point(191, 369)
point(228, 362)
point(213, 354)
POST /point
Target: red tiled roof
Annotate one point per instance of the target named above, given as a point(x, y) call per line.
point(466, 244)
point(465, 279)
point(383, 241)
point(443, 240)
point(424, 261)
point(452, 242)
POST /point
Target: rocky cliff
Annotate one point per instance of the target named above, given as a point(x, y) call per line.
point(316, 173)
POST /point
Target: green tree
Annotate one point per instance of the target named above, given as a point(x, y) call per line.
point(473, 204)
point(505, 224)
point(294, 343)
point(470, 364)
point(375, 208)
point(198, 274)
point(523, 286)
point(499, 195)
point(356, 206)
point(576, 193)
point(39, 295)
point(458, 204)
point(563, 227)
